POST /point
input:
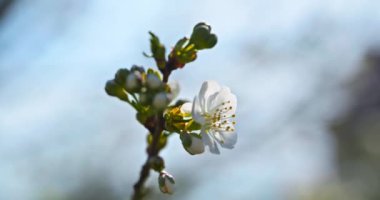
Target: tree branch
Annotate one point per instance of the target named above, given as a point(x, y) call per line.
point(156, 127)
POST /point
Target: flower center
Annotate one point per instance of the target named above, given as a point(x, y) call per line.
point(219, 119)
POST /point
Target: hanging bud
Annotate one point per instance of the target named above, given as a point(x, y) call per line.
point(202, 37)
point(153, 81)
point(192, 143)
point(166, 182)
point(160, 101)
point(114, 89)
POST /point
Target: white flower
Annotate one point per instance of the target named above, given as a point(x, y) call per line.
point(166, 182)
point(214, 108)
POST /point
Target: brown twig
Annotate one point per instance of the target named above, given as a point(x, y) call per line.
point(156, 126)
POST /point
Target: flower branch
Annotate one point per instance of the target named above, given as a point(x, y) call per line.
point(205, 122)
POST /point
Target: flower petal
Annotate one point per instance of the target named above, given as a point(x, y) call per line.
point(208, 88)
point(226, 139)
point(210, 142)
point(223, 96)
point(197, 111)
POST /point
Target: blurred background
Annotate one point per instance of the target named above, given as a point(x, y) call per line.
point(306, 74)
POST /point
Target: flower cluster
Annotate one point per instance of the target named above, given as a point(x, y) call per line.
point(208, 121)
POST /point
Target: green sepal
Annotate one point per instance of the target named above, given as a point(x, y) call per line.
point(152, 71)
point(161, 181)
point(138, 68)
point(193, 126)
point(179, 45)
point(180, 102)
point(186, 139)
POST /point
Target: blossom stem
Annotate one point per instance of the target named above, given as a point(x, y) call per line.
point(155, 126)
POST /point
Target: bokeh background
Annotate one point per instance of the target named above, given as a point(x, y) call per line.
point(306, 74)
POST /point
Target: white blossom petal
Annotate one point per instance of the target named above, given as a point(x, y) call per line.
point(208, 88)
point(197, 111)
point(221, 97)
point(208, 141)
point(227, 139)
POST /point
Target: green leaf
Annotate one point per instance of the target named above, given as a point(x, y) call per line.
point(158, 51)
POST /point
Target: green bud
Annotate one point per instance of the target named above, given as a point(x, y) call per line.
point(114, 89)
point(157, 163)
point(121, 75)
point(202, 37)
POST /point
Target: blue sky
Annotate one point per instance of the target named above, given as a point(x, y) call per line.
point(287, 61)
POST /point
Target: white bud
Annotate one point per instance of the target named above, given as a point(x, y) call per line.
point(153, 81)
point(166, 182)
point(132, 82)
point(192, 143)
point(161, 100)
point(186, 108)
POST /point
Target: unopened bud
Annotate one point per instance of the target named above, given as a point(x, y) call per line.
point(153, 81)
point(133, 82)
point(160, 101)
point(202, 37)
point(166, 182)
point(157, 163)
point(121, 75)
point(114, 89)
point(192, 143)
